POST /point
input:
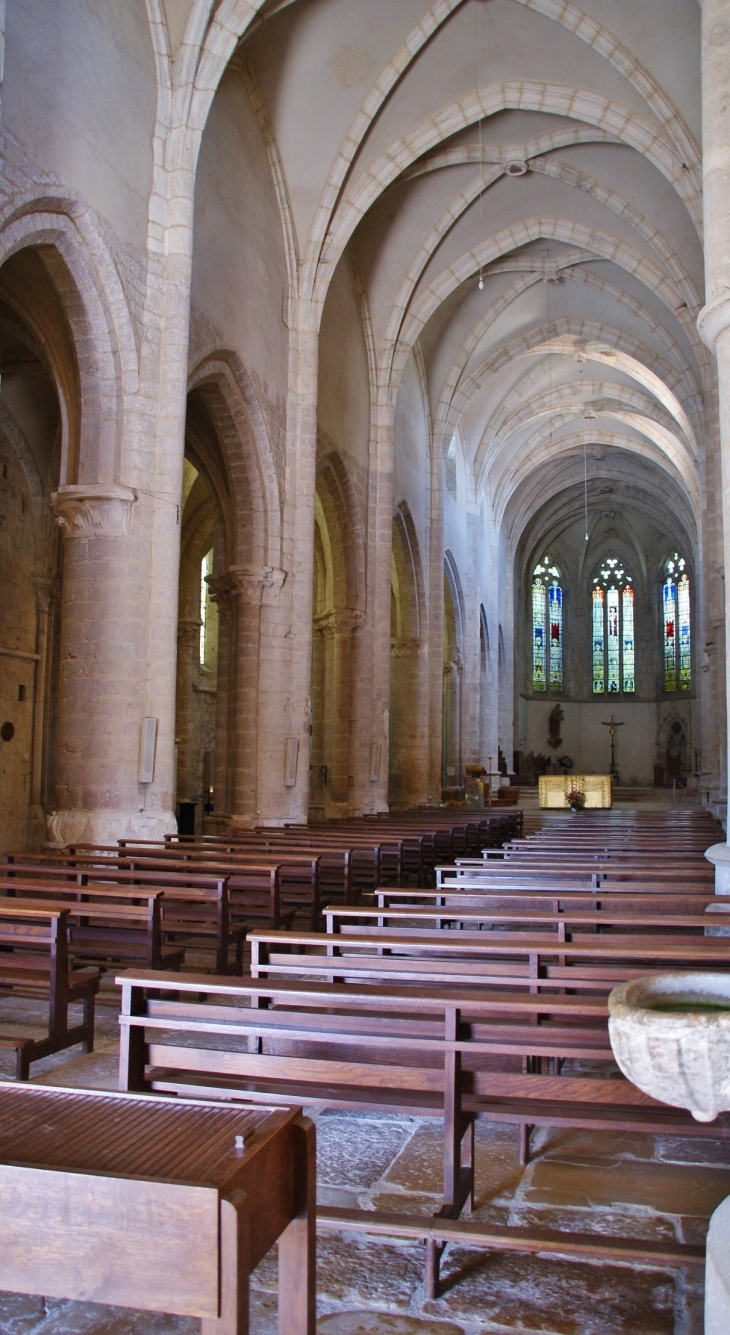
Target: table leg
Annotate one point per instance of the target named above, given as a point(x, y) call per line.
point(234, 1263)
point(298, 1242)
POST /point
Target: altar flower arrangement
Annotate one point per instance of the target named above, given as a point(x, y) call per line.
point(576, 799)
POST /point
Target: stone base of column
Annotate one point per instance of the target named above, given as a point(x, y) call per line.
point(719, 856)
point(106, 826)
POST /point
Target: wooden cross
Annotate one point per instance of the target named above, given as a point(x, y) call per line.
point(613, 725)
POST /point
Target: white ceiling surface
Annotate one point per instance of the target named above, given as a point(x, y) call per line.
point(393, 123)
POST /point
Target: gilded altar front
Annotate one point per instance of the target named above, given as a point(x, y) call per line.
point(554, 789)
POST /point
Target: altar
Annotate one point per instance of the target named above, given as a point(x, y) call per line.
point(554, 789)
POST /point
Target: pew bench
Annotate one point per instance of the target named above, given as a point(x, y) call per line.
point(108, 926)
point(519, 959)
point(413, 1050)
point(195, 906)
point(34, 962)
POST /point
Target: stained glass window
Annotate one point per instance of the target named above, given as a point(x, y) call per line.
point(599, 675)
point(612, 650)
point(547, 627)
point(538, 636)
point(612, 604)
point(676, 625)
point(684, 646)
point(627, 638)
point(555, 620)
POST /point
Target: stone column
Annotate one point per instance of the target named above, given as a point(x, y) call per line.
point(336, 633)
point(188, 655)
point(223, 592)
point(285, 659)
point(714, 320)
point(102, 672)
point(255, 589)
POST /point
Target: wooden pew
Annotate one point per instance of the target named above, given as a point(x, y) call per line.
point(415, 1050)
point(107, 925)
point(34, 961)
point(195, 906)
point(518, 959)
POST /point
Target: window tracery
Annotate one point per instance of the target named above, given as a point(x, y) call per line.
point(547, 627)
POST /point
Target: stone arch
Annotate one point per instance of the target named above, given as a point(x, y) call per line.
point(71, 245)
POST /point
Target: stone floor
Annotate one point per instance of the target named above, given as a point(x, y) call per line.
point(609, 1183)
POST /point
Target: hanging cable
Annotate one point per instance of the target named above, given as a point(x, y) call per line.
point(481, 158)
point(585, 483)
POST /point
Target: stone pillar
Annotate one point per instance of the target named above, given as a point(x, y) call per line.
point(188, 655)
point(336, 637)
point(714, 320)
point(285, 658)
point(223, 593)
point(255, 589)
point(102, 672)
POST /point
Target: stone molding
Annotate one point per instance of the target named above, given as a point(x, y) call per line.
point(46, 588)
point(714, 319)
point(257, 585)
point(92, 510)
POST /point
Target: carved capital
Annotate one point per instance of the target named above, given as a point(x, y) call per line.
point(93, 510)
point(222, 589)
point(347, 621)
point(188, 632)
point(258, 585)
point(406, 648)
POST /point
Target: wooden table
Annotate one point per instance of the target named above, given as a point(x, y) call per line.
point(159, 1204)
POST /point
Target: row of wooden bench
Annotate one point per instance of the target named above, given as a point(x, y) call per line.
point(382, 1010)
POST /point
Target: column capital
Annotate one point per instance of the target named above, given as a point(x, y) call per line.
point(93, 510)
point(340, 621)
point(47, 587)
point(257, 585)
point(714, 319)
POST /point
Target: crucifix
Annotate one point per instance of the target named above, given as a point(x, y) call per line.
point(613, 725)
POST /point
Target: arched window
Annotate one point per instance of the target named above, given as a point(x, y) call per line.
point(206, 568)
point(612, 619)
point(547, 627)
point(676, 628)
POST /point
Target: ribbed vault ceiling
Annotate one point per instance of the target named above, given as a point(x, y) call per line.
point(550, 149)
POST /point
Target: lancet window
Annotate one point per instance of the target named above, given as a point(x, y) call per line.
point(676, 625)
point(547, 627)
point(612, 621)
point(206, 568)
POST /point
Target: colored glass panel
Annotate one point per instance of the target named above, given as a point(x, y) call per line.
point(669, 604)
point(599, 676)
point(627, 638)
point(555, 621)
point(612, 640)
point(539, 608)
point(683, 623)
